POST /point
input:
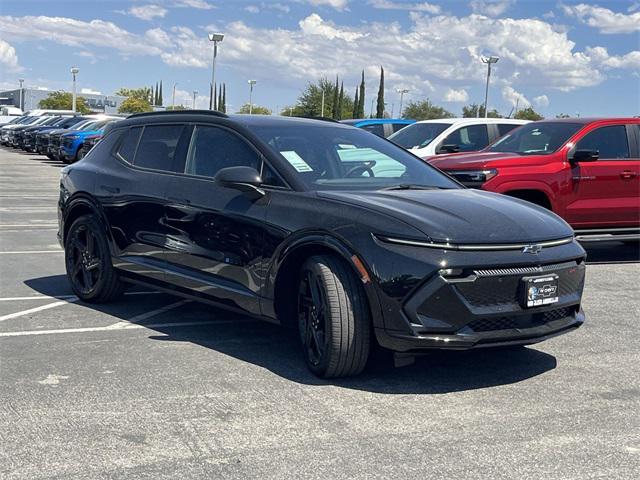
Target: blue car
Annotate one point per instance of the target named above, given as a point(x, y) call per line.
point(383, 127)
point(71, 143)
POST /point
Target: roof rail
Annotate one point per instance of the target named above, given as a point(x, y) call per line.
point(324, 119)
point(176, 112)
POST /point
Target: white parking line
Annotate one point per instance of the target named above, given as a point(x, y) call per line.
point(21, 252)
point(37, 309)
point(63, 297)
point(28, 225)
point(29, 196)
point(110, 328)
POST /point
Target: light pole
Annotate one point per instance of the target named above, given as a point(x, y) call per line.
point(173, 96)
point(20, 102)
point(488, 61)
point(195, 93)
point(401, 91)
point(215, 38)
point(74, 72)
point(251, 84)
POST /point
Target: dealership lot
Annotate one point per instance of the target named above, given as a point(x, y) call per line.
point(154, 386)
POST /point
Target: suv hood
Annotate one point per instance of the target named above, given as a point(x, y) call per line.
point(462, 215)
point(463, 161)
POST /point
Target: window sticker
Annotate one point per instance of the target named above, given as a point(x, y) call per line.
point(296, 161)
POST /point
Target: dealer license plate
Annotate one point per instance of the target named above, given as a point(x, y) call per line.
point(538, 291)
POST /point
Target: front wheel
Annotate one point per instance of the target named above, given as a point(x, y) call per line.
point(88, 262)
point(333, 318)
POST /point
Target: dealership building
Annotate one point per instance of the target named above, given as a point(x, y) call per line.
point(31, 98)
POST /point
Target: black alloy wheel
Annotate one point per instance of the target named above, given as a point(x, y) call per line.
point(333, 318)
point(88, 262)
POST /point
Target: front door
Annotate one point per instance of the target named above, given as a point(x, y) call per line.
point(606, 192)
point(215, 243)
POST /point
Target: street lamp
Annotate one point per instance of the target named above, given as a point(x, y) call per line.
point(401, 91)
point(251, 84)
point(20, 102)
point(215, 38)
point(74, 72)
point(195, 93)
point(488, 61)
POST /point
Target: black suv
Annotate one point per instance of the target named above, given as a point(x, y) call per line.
point(316, 225)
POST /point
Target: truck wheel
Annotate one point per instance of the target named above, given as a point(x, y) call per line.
point(88, 262)
point(333, 318)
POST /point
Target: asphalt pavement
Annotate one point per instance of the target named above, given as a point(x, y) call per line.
point(154, 386)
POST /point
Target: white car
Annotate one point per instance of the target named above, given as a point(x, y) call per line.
point(451, 135)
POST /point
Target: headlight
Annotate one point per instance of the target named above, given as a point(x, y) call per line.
point(473, 178)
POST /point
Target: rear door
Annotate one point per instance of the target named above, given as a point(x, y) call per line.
point(216, 233)
point(135, 195)
point(468, 139)
point(606, 193)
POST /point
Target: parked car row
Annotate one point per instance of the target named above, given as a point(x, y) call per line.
point(59, 135)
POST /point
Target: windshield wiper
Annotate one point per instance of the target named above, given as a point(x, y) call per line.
point(411, 186)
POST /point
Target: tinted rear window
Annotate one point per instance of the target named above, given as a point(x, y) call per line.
point(158, 146)
point(129, 144)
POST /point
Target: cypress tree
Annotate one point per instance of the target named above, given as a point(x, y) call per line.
point(340, 101)
point(356, 105)
point(224, 98)
point(334, 107)
point(160, 100)
point(380, 104)
point(215, 99)
point(155, 95)
point(220, 108)
point(361, 98)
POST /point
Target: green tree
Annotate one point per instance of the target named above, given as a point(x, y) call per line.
point(334, 103)
point(255, 109)
point(356, 105)
point(380, 102)
point(309, 102)
point(220, 99)
point(474, 110)
point(137, 100)
point(340, 102)
point(177, 107)
point(224, 98)
point(528, 114)
point(64, 101)
point(424, 110)
point(160, 99)
point(360, 113)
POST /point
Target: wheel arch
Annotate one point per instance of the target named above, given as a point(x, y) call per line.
point(532, 195)
point(82, 204)
point(284, 275)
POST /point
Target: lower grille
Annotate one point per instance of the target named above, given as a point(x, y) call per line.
point(520, 321)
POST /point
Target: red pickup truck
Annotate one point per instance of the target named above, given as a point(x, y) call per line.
point(586, 170)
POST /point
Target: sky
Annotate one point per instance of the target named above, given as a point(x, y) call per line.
point(577, 58)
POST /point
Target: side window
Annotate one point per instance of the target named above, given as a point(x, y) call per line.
point(504, 128)
point(105, 146)
point(129, 144)
point(159, 146)
point(398, 126)
point(469, 139)
point(213, 149)
point(269, 177)
point(611, 142)
point(377, 129)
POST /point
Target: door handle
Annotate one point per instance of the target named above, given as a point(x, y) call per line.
point(184, 201)
point(110, 189)
point(628, 174)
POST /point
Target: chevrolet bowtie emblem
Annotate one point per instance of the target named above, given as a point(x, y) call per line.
point(534, 248)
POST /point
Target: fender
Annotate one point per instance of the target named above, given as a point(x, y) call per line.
point(530, 185)
point(86, 200)
point(328, 241)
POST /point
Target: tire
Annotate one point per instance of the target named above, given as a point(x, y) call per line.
point(88, 262)
point(333, 318)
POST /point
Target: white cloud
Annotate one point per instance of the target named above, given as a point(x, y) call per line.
point(148, 12)
point(605, 20)
point(199, 4)
point(549, 14)
point(9, 58)
point(315, 25)
point(88, 55)
point(600, 56)
point(252, 9)
point(541, 101)
point(337, 4)
point(491, 8)
point(416, 7)
point(514, 97)
point(456, 95)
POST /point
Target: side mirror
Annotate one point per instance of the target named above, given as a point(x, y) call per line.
point(585, 156)
point(245, 179)
point(449, 148)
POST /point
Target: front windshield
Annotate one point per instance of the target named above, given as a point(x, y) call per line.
point(328, 157)
point(418, 135)
point(539, 138)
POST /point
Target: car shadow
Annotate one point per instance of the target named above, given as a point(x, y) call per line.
point(612, 252)
point(278, 350)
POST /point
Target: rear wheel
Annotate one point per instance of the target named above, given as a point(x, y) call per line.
point(88, 262)
point(333, 318)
